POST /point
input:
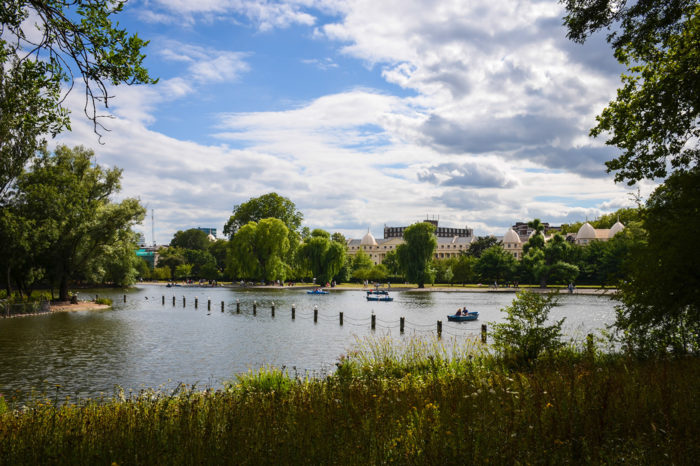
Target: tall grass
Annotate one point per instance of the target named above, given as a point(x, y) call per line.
point(422, 402)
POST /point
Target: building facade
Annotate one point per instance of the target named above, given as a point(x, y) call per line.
point(440, 232)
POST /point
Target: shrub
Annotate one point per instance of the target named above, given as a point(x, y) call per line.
point(106, 301)
point(524, 337)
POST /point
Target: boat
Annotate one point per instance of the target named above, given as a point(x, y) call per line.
point(170, 285)
point(472, 315)
point(381, 292)
point(317, 291)
point(379, 297)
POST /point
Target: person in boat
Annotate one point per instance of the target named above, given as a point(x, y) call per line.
point(458, 313)
point(465, 312)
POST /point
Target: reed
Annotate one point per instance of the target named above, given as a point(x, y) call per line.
point(423, 401)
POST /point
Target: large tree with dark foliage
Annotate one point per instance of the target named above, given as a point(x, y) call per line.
point(655, 118)
point(655, 121)
point(270, 205)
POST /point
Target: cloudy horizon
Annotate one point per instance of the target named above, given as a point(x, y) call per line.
point(362, 113)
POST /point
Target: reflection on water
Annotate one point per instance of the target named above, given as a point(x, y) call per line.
point(144, 343)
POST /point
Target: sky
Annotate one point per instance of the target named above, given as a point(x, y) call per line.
point(363, 113)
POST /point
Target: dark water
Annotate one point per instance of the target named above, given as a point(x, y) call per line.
point(142, 343)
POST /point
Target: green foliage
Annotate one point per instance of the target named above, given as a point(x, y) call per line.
point(416, 253)
point(257, 250)
point(183, 271)
point(443, 270)
point(654, 119)
point(660, 303)
point(46, 44)
point(481, 244)
point(464, 269)
point(67, 197)
point(190, 239)
point(323, 257)
point(270, 205)
point(162, 273)
point(171, 258)
point(524, 337)
point(495, 264)
point(106, 301)
point(361, 260)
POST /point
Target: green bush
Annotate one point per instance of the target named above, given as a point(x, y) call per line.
point(106, 301)
point(524, 337)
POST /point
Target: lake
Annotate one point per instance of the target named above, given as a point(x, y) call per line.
point(142, 343)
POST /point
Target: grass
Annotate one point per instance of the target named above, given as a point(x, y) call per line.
point(421, 402)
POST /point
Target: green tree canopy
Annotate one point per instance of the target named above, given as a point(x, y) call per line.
point(270, 205)
point(190, 239)
point(70, 197)
point(416, 252)
point(655, 117)
point(481, 244)
point(495, 264)
point(660, 308)
point(257, 250)
point(323, 257)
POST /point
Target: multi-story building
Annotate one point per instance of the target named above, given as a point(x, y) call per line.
point(448, 246)
point(440, 232)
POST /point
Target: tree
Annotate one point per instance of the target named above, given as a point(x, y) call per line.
point(69, 196)
point(481, 244)
point(524, 337)
point(219, 249)
point(171, 258)
point(323, 257)
point(270, 205)
point(443, 270)
point(660, 303)
point(190, 239)
point(391, 262)
point(45, 44)
point(257, 250)
point(464, 269)
point(655, 117)
point(361, 260)
point(416, 252)
point(495, 264)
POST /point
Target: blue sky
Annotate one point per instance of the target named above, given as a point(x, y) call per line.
point(363, 113)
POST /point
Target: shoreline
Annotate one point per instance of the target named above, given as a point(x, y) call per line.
point(412, 288)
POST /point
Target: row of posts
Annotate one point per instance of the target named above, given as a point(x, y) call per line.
point(373, 324)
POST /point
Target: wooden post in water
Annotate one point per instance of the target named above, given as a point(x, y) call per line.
point(173, 301)
point(483, 333)
point(402, 320)
point(196, 302)
point(374, 321)
point(341, 319)
point(124, 298)
point(209, 304)
point(255, 307)
point(294, 311)
point(97, 297)
point(273, 309)
point(439, 328)
point(163, 300)
point(183, 301)
point(315, 314)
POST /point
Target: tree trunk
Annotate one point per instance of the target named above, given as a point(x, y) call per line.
point(63, 288)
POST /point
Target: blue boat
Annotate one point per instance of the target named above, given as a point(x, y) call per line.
point(380, 297)
point(470, 316)
point(317, 291)
point(382, 292)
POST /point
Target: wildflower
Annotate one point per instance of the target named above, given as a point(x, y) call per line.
point(548, 405)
